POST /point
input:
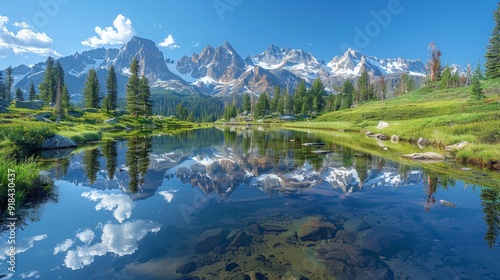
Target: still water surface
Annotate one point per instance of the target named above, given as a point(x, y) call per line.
point(250, 204)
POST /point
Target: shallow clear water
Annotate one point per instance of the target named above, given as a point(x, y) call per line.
point(250, 204)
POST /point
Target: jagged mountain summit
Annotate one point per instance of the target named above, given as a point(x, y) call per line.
point(219, 71)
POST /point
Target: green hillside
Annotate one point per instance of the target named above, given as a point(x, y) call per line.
point(441, 116)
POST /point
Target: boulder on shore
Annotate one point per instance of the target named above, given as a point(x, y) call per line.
point(111, 121)
point(382, 125)
point(32, 105)
point(395, 139)
point(58, 142)
point(456, 147)
point(429, 156)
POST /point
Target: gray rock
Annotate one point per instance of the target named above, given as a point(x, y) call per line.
point(76, 114)
point(56, 153)
point(347, 261)
point(32, 105)
point(385, 241)
point(429, 156)
point(346, 236)
point(255, 228)
point(456, 147)
point(111, 121)
point(314, 229)
point(41, 116)
point(421, 142)
point(395, 139)
point(210, 239)
point(58, 142)
point(382, 125)
point(241, 239)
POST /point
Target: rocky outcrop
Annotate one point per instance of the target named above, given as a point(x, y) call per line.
point(32, 105)
point(421, 142)
point(395, 139)
point(456, 147)
point(58, 142)
point(429, 156)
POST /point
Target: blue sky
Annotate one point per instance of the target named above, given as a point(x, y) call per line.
point(31, 30)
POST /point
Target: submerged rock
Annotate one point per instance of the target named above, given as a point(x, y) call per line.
point(347, 261)
point(210, 239)
point(314, 229)
point(385, 241)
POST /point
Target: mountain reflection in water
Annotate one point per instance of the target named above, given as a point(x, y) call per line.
point(222, 203)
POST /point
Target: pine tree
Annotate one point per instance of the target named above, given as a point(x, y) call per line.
point(32, 92)
point(65, 98)
point(47, 87)
point(299, 97)
point(362, 88)
point(19, 94)
point(247, 106)
point(318, 95)
point(133, 89)
point(112, 89)
point(9, 83)
point(493, 49)
point(276, 99)
point(145, 106)
point(382, 88)
point(476, 89)
point(446, 78)
point(262, 106)
point(92, 90)
point(348, 91)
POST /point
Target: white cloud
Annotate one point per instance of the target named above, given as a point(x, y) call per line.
point(120, 240)
point(169, 42)
point(63, 246)
point(167, 195)
point(24, 40)
point(120, 33)
point(22, 25)
point(22, 245)
point(120, 204)
point(86, 236)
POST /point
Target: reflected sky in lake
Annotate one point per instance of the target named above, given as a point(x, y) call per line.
point(216, 203)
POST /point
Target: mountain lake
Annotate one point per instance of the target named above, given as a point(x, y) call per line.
point(259, 203)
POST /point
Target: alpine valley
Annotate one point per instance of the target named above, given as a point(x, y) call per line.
point(220, 71)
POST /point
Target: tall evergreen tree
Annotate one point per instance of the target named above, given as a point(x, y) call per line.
point(112, 88)
point(382, 88)
point(9, 83)
point(65, 98)
point(348, 91)
point(19, 94)
point(476, 89)
point(32, 92)
point(247, 105)
point(262, 106)
point(92, 90)
point(276, 99)
point(363, 88)
point(493, 49)
point(299, 97)
point(133, 89)
point(318, 95)
point(48, 86)
point(145, 105)
point(446, 77)
point(110, 152)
